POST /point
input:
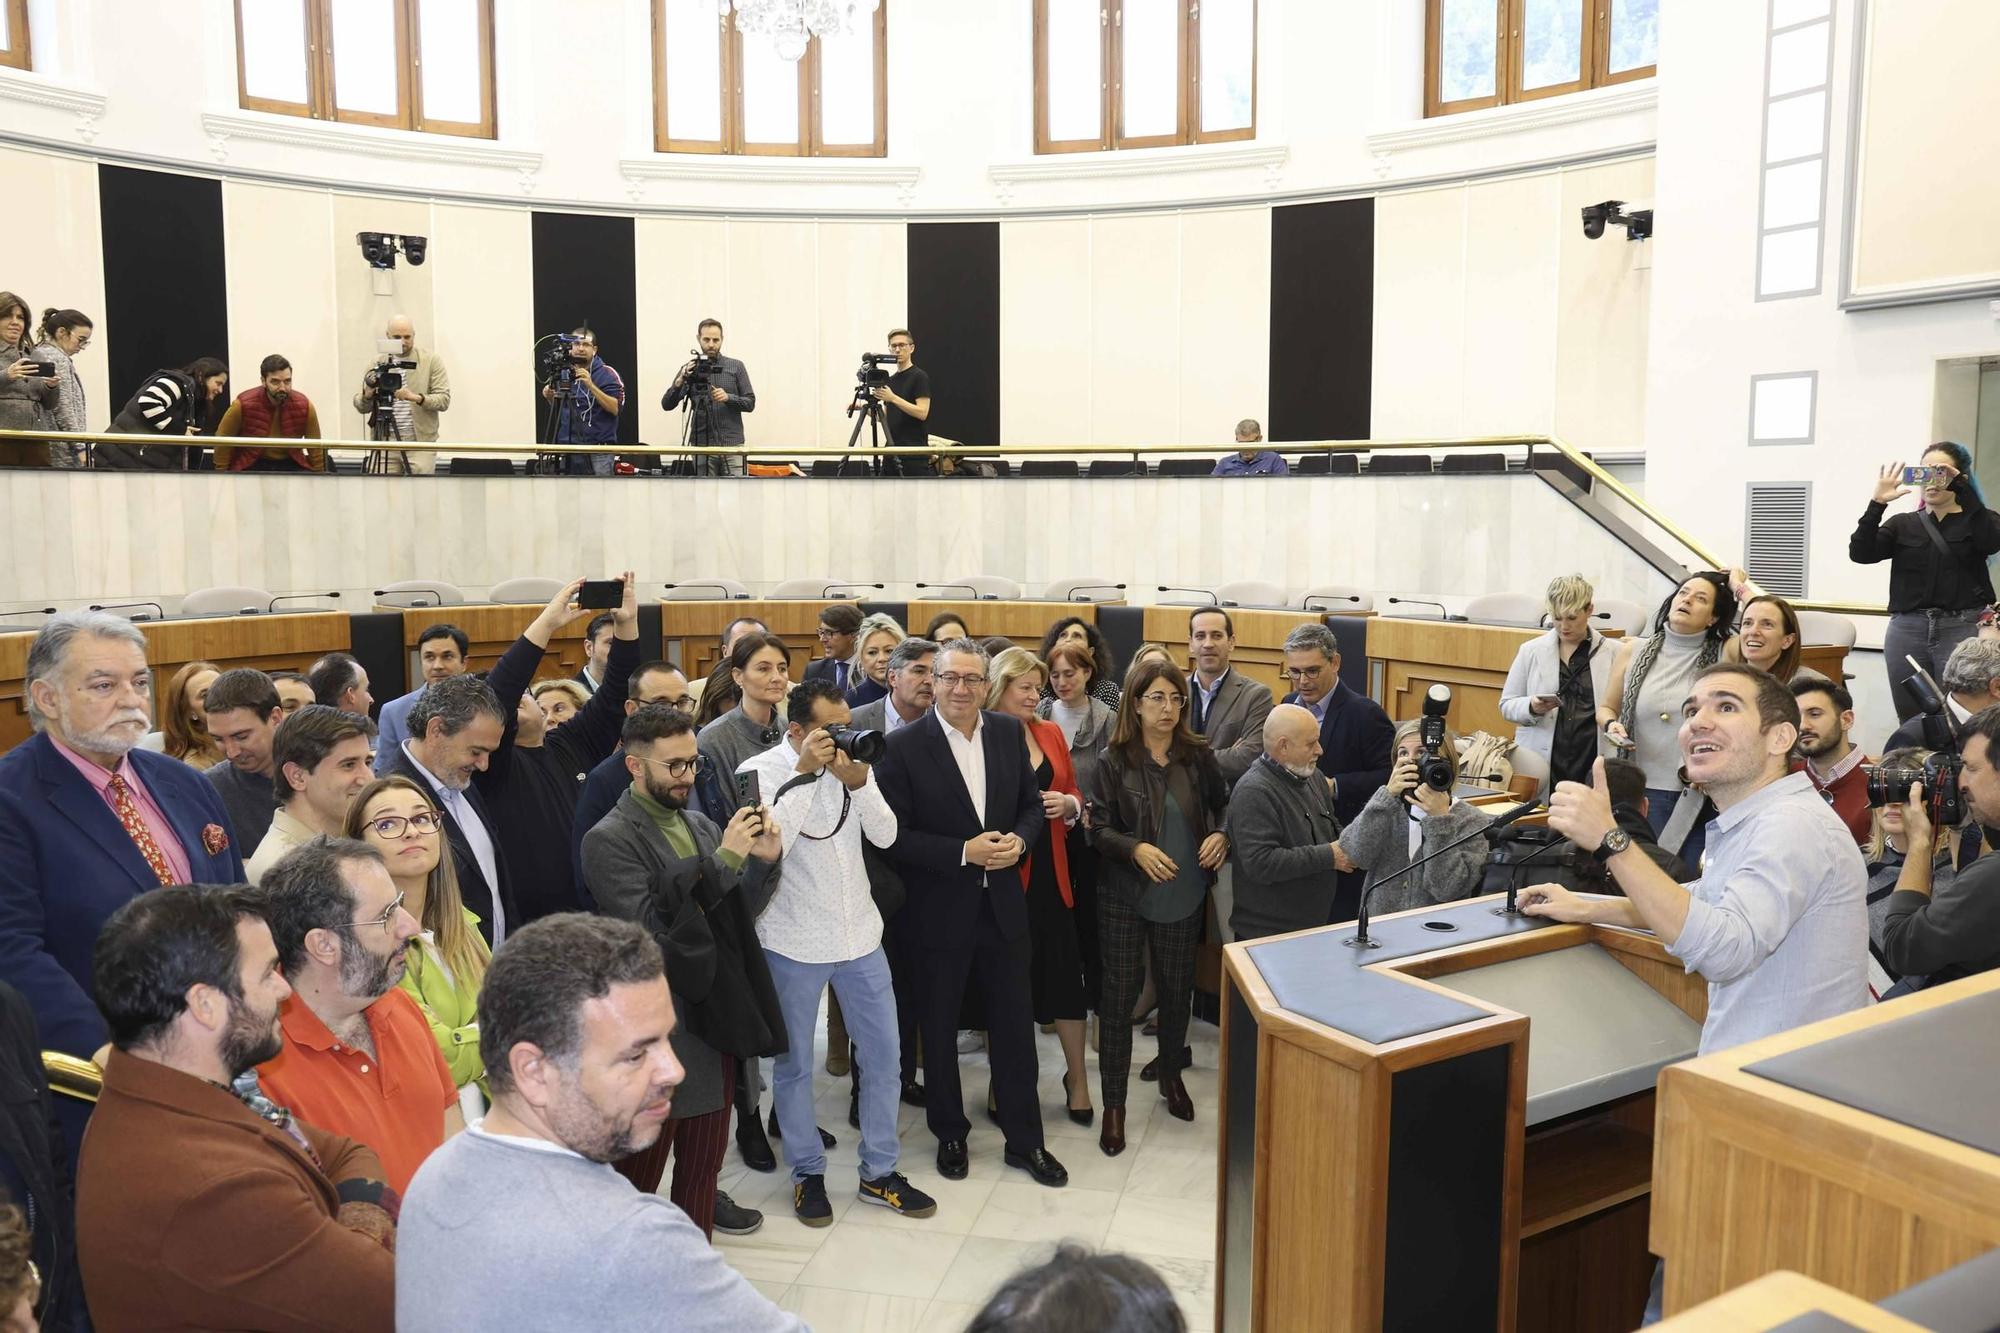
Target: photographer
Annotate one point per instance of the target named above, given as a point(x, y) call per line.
point(424, 391)
point(589, 413)
point(718, 393)
point(1938, 583)
point(1953, 932)
point(1409, 819)
point(906, 407)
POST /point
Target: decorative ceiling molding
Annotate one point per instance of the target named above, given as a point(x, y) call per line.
point(1140, 162)
point(299, 132)
point(698, 168)
point(1639, 96)
point(88, 107)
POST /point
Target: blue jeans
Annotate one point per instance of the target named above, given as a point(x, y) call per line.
point(1927, 638)
point(1660, 808)
point(868, 1003)
point(587, 465)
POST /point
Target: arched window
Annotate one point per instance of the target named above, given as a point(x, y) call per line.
point(403, 64)
point(1480, 53)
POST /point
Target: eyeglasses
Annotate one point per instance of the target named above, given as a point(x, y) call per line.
point(388, 916)
point(1304, 673)
point(682, 704)
point(824, 633)
point(1156, 699)
point(676, 768)
point(394, 826)
point(951, 680)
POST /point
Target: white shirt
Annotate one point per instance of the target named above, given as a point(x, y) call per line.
point(822, 911)
point(970, 753)
point(476, 838)
point(892, 721)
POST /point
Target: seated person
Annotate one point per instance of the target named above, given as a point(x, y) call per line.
point(1887, 848)
point(1250, 459)
point(520, 1222)
point(1948, 931)
point(201, 1201)
point(1825, 754)
point(358, 1056)
point(1407, 820)
point(1626, 782)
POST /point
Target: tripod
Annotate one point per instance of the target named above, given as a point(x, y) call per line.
point(697, 408)
point(551, 464)
point(871, 414)
point(382, 425)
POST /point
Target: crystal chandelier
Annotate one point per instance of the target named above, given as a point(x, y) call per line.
point(792, 23)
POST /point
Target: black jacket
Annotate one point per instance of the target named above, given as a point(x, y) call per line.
point(1355, 739)
point(33, 1176)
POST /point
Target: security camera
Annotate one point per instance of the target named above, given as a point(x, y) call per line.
point(414, 247)
point(1638, 223)
point(378, 248)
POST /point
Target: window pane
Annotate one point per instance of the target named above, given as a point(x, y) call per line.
point(1798, 59)
point(1151, 69)
point(847, 85)
point(274, 49)
point(1076, 70)
point(448, 31)
point(1228, 49)
point(1795, 127)
point(1792, 194)
point(770, 93)
point(1551, 43)
point(1468, 41)
point(1790, 262)
point(1635, 34)
point(693, 49)
point(364, 56)
point(6, 29)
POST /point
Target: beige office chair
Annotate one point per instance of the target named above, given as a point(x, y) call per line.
point(527, 590)
point(226, 600)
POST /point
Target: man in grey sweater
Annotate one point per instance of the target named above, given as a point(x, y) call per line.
point(243, 712)
point(1281, 832)
point(520, 1222)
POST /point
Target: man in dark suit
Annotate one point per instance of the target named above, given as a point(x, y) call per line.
point(966, 806)
point(1355, 736)
point(596, 652)
point(1228, 707)
point(454, 729)
point(838, 624)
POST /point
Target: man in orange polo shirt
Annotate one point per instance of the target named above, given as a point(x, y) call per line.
point(359, 1059)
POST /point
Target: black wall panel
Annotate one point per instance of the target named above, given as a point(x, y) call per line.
point(954, 274)
point(1322, 320)
point(586, 273)
point(166, 296)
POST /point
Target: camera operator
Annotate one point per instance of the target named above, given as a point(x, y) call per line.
point(715, 413)
point(906, 407)
point(1408, 819)
point(424, 392)
point(1954, 932)
point(590, 413)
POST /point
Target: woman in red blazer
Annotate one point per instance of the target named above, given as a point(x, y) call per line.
point(1056, 963)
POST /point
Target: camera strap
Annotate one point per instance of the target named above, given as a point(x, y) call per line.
point(846, 804)
point(1929, 523)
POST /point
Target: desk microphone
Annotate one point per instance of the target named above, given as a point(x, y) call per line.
point(1424, 601)
point(34, 611)
point(158, 612)
point(1069, 595)
point(1360, 939)
point(712, 587)
point(977, 595)
point(1203, 591)
point(437, 598)
point(298, 597)
point(1331, 597)
point(827, 591)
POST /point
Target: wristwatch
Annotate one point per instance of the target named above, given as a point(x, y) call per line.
point(1616, 841)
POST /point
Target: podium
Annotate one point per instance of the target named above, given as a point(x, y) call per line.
point(1450, 1130)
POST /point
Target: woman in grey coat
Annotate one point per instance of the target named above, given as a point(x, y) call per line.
point(63, 334)
point(1406, 821)
point(25, 393)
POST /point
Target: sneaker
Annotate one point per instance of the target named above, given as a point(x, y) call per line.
point(732, 1219)
point(809, 1202)
point(892, 1191)
point(969, 1042)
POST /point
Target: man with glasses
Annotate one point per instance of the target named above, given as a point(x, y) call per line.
point(589, 413)
point(358, 1058)
point(655, 682)
point(1355, 737)
point(906, 407)
point(967, 806)
point(838, 624)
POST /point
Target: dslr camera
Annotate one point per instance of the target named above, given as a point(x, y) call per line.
point(1433, 769)
point(858, 743)
point(1940, 772)
point(876, 368)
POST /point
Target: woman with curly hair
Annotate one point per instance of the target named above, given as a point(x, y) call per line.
point(1075, 629)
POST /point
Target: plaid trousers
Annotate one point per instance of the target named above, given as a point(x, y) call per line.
point(1123, 936)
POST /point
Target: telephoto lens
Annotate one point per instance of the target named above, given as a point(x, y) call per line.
point(859, 744)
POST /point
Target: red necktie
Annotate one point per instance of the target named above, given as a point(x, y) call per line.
point(128, 815)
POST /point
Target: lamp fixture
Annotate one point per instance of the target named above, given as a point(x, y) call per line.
point(792, 24)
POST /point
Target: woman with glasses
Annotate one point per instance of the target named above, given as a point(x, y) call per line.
point(1408, 820)
point(868, 672)
point(447, 961)
point(1104, 668)
point(64, 334)
point(1156, 806)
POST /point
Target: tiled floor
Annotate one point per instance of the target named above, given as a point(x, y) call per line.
point(872, 1270)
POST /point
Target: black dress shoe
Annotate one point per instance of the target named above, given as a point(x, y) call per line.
point(1151, 1073)
point(951, 1159)
point(854, 1109)
point(913, 1093)
point(1036, 1162)
point(755, 1147)
point(826, 1140)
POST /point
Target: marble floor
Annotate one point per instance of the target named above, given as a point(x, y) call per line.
point(873, 1270)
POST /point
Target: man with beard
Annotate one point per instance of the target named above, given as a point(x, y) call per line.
point(1837, 767)
point(698, 890)
point(1281, 832)
point(358, 1056)
point(518, 1223)
point(202, 1202)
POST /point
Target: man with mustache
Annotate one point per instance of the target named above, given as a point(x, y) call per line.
point(358, 1056)
point(1827, 754)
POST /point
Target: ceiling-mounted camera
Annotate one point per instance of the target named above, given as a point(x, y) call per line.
point(1638, 223)
point(379, 248)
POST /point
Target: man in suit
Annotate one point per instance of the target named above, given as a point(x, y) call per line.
point(596, 651)
point(966, 806)
point(454, 728)
point(88, 821)
point(1355, 737)
point(1228, 707)
point(441, 654)
point(838, 624)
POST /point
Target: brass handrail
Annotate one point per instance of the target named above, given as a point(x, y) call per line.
point(71, 1077)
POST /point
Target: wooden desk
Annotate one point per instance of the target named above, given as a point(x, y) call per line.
point(491, 629)
point(268, 643)
point(1023, 622)
point(1407, 657)
point(1754, 1176)
point(1830, 660)
point(1776, 1298)
point(1260, 639)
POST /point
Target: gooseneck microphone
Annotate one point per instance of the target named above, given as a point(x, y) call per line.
point(436, 597)
point(158, 612)
point(977, 595)
point(712, 587)
point(299, 597)
point(33, 611)
point(1069, 595)
point(1165, 587)
point(827, 591)
point(1360, 938)
point(1331, 597)
point(1423, 601)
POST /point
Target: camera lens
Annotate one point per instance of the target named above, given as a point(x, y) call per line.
point(860, 745)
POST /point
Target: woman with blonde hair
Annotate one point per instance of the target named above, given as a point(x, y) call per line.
point(447, 961)
point(1408, 819)
point(1554, 686)
point(868, 669)
point(183, 732)
point(559, 700)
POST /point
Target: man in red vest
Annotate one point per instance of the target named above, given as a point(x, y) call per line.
point(271, 411)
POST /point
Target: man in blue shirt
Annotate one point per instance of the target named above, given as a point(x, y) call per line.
point(589, 415)
point(1249, 460)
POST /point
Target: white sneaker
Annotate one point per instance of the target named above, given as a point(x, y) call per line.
point(968, 1042)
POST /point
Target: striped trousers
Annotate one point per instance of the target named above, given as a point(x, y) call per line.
point(698, 1144)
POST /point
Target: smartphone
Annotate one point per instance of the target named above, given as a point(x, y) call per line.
point(45, 369)
point(747, 794)
point(601, 594)
point(1550, 699)
point(1916, 476)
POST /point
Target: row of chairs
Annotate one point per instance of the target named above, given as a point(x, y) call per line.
point(1308, 465)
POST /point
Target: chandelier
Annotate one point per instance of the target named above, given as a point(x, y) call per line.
point(792, 23)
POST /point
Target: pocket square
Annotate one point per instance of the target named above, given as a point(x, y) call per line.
point(215, 838)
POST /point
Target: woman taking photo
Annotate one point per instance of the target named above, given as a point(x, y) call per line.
point(1886, 852)
point(1156, 808)
point(1553, 687)
point(1104, 673)
point(183, 732)
point(1641, 711)
point(1938, 583)
point(1056, 963)
point(27, 395)
point(447, 961)
point(63, 335)
point(869, 669)
point(1408, 820)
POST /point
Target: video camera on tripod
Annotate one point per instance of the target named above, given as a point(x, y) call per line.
point(389, 373)
point(556, 362)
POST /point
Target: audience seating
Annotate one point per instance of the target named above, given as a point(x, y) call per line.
point(1049, 467)
point(1396, 463)
point(1506, 608)
point(226, 600)
point(1323, 465)
point(1459, 462)
point(525, 591)
point(1117, 467)
point(1249, 592)
point(1822, 627)
point(817, 590)
point(705, 588)
point(1337, 597)
point(1187, 467)
point(1631, 617)
point(1085, 588)
point(412, 593)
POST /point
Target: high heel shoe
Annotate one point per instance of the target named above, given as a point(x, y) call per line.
point(1111, 1138)
point(1084, 1115)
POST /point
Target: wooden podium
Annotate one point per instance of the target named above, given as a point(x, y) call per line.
point(1450, 1130)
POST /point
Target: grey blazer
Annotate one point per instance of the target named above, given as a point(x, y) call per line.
point(1236, 722)
point(627, 863)
point(1534, 672)
point(870, 716)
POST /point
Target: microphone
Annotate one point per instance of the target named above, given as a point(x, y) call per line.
point(298, 597)
point(158, 612)
point(1069, 595)
point(827, 591)
point(1203, 591)
point(1424, 601)
point(437, 598)
point(1360, 939)
point(1331, 597)
point(977, 595)
point(33, 611)
point(713, 587)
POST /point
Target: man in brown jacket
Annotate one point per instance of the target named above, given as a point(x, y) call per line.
point(200, 1204)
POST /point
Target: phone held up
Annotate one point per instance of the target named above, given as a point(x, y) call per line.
point(600, 595)
point(747, 793)
point(1921, 476)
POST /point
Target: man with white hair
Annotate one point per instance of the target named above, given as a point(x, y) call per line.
point(1281, 833)
point(425, 392)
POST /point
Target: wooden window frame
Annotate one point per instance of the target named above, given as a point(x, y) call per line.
point(321, 60)
point(1509, 16)
point(1111, 85)
point(19, 53)
point(810, 141)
